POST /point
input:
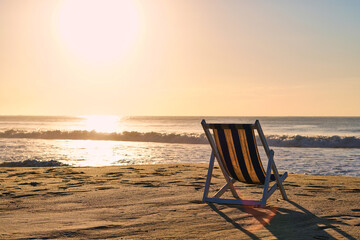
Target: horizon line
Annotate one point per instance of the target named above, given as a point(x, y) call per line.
point(52, 115)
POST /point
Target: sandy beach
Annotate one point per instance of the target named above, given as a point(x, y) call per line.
point(164, 202)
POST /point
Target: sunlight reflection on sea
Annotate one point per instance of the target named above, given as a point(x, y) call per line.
point(325, 161)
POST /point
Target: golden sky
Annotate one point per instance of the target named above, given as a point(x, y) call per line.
point(180, 57)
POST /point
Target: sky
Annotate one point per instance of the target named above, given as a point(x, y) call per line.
point(180, 57)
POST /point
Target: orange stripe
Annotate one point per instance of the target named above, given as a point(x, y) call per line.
point(232, 153)
point(247, 158)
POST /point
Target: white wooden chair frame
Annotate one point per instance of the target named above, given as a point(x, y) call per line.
point(230, 181)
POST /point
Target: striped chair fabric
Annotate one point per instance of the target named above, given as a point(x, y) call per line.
point(238, 152)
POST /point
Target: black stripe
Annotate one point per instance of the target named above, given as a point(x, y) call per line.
point(239, 154)
point(225, 151)
point(254, 157)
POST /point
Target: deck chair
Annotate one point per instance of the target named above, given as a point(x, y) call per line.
point(235, 149)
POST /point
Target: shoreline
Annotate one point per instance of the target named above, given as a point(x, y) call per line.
point(163, 201)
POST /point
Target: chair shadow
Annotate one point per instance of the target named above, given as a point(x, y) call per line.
point(285, 223)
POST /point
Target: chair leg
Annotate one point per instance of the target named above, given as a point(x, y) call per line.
point(224, 188)
point(208, 177)
point(278, 180)
point(275, 186)
point(267, 181)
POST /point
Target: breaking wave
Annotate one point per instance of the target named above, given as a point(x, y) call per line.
point(315, 142)
point(93, 135)
point(273, 140)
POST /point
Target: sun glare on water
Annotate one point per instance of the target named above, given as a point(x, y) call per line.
point(101, 123)
point(98, 31)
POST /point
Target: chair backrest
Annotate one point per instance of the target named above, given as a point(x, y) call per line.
point(237, 149)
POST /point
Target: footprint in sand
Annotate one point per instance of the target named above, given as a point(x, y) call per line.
point(39, 190)
point(355, 190)
point(22, 174)
point(24, 195)
point(104, 188)
point(34, 184)
point(303, 194)
point(134, 169)
point(147, 184)
point(114, 174)
point(174, 182)
point(200, 178)
point(291, 185)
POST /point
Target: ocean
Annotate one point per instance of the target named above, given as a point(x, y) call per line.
point(304, 145)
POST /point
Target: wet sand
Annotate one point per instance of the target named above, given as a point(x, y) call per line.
point(164, 202)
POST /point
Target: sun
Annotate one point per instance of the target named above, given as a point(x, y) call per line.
point(98, 31)
point(101, 123)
